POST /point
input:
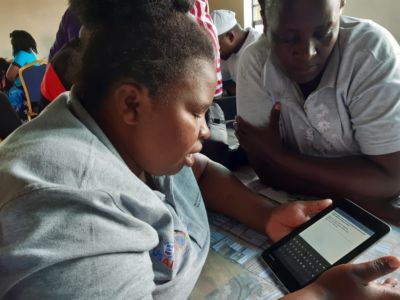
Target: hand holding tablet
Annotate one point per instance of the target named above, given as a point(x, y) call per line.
point(334, 237)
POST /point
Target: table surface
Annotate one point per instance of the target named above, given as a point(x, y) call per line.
point(234, 269)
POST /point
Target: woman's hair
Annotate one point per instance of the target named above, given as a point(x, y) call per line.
point(22, 40)
point(152, 42)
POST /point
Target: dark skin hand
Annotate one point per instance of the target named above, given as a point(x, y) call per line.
point(353, 282)
point(231, 89)
point(224, 193)
point(370, 181)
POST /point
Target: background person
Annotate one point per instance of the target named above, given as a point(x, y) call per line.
point(58, 78)
point(67, 31)
point(5, 84)
point(70, 26)
point(232, 41)
point(331, 85)
point(24, 49)
point(101, 220)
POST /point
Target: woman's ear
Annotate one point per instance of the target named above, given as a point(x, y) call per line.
point(231, 36)
point(131, 102)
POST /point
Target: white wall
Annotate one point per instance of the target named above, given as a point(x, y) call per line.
point(40, 18)
point(383, 12)
point(234, 5)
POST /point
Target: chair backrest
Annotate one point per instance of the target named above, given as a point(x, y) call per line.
point(31, 78)
point(9, 120)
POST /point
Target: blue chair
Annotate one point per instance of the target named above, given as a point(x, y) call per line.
point(31, 78)
point(9, 120)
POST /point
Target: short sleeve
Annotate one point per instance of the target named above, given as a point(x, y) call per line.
point(58, 245)
point(375, 108)
point(19, 59)
point(253, 101)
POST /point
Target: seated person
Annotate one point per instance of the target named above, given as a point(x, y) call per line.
point(24, 49)
point(70, 26)
point(67, 31)
point(331, 84)
point(96, 222)
point(232, 41)
point(57, 79)
point(5, 84)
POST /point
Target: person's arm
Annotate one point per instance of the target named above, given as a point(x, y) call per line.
point(349, 282)
point(231, 89)
point(371, 181)
point(68, 29)
point(12, 72)
point(224, 193)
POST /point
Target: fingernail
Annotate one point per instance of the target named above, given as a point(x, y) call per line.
point(278, 106)
point(394, 262)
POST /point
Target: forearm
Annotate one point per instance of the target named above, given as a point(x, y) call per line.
point(311, 292)
point(287, 182)
point(351, 176)
point(231, 89)
point(334, 181)
point(224, 193)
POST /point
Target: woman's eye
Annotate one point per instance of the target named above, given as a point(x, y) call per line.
point(197, 116)
point(287, 39)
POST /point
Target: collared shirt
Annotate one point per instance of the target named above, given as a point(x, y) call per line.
point(354, 110)
point(76, 223)
point(229, 66)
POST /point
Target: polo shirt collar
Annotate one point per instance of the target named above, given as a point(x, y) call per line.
point(329, 78)
point(272, 76)
point(246, 42)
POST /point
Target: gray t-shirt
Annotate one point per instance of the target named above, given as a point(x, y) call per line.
point(356, 107)
point(76, 223)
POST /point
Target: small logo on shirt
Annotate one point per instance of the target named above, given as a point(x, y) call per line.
point(180, 240)
point(169, 249)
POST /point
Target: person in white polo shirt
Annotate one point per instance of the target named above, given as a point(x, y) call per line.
point(233, 39)
point(319, 101)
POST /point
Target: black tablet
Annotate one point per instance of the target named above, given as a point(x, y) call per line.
point(335, 236)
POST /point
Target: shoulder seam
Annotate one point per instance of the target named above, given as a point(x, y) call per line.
point(58, 187)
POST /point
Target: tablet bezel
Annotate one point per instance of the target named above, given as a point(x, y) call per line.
point(379, 227)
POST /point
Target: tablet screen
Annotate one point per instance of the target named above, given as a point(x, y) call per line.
point(321, 245)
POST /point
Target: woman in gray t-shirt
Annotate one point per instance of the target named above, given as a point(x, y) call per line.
point(323, 91)
point(106, 199)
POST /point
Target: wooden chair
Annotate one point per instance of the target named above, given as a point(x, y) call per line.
point(9, 120)
point(31, 77)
